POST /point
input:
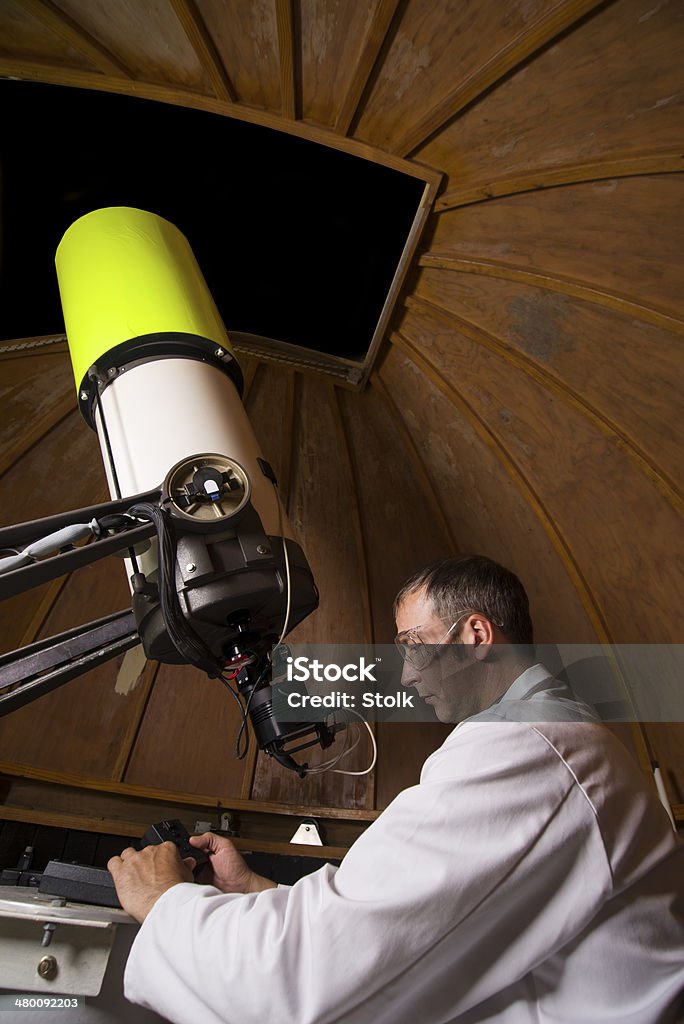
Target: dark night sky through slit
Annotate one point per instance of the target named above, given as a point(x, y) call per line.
point(297, 242)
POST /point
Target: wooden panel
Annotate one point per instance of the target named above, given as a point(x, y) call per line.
point(22, 617)
point(287, 57)
point(64, 471)
point(349, 466)
point(569, 467)
point(402, 530)
point(421, 475)
point(35, 392)
point(489, 514)
point(246, 37)
point(612, 87)
point(584, 232)
point(332, 39)
point(186, 741)
point(436, 47)
point(628, 372)
point(22, 35)
point(319, 514)
point(80, 727)
point(270, 407)
point(319, 510)
point(147, 37)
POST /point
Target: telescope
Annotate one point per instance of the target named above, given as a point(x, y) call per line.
point(216, 575)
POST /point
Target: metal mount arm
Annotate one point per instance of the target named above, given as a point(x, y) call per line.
point(16, 581)
point(49, 663)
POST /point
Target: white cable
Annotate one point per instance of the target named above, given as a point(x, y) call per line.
point(327, 767)
point(50, 544)
point(366, 771)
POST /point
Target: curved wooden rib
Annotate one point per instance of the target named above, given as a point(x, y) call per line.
point(372, 45)
point(347, 458)
point(35, 432)
point(202, 43)
point(286, 55)
point(551, 529)
point(126, 789)
point(667, 487)
point(668, 162)
point(557, 283)
point(541, 32)
point(59, 23)
point(414, 456)
point(19, 348)
point(36, 71)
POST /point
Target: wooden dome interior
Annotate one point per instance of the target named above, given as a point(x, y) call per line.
point(525, 402)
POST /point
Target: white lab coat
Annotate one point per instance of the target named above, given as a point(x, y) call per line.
point(530, 877)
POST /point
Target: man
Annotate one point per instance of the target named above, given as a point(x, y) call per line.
point(531, 876)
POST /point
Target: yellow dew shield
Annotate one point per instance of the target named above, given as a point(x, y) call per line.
point(126, 274)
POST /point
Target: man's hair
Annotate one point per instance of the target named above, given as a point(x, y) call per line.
point(472, 582)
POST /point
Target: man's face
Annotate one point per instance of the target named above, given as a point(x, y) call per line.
point(449, 682)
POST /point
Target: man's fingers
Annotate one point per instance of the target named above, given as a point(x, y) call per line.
point(202, 842)
point(114, 864)
point(190, 862)
point(207, 841)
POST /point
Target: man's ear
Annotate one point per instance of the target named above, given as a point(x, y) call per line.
point(482, 636)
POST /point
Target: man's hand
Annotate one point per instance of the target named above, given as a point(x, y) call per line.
point(226, 868)
point(141, 877)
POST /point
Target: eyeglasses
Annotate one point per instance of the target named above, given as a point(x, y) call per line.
point(413, 648)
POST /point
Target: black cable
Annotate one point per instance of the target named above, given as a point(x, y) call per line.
point(244, 726)
point(242, 709)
